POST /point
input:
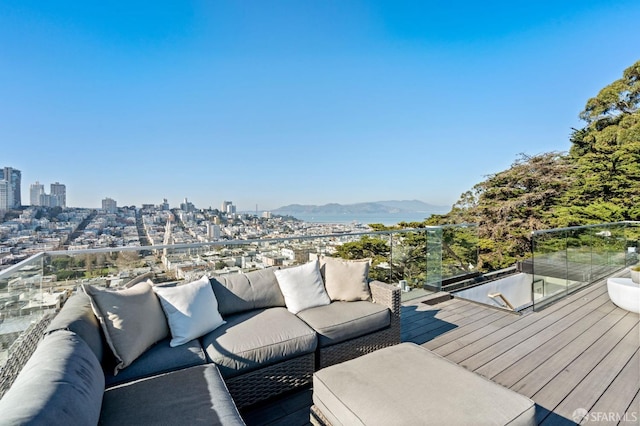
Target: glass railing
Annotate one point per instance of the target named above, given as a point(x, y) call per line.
point(565, 260)
point(418, 260)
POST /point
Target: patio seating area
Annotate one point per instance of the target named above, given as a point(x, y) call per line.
point(580, 355)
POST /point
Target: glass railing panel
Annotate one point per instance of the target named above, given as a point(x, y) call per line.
point(26, 295)
point(459, 247)
point(549, 267)
point(415, 262)
point(609, 250)
point(566, 260)
point(632, 238)
point(580, 251)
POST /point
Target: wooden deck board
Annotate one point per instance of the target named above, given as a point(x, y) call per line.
point(464, 336)
point(581, 352)
point(570, 338)
point(633, 411)
point(595, 383)
point(613, 400)
point(460, 319)
point(553, 392)
point(548, 316)
point(539, 376)
point(531, 338)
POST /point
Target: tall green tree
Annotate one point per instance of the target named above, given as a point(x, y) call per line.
point(509, 205)
point(606, 153)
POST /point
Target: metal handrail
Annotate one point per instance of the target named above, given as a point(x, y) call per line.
point(571, 228)
point(17, 266)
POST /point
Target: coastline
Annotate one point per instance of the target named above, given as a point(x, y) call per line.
point(365, 219)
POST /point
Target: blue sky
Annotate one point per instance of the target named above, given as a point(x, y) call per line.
point(310, 102)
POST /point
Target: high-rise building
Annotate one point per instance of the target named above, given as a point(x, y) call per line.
point(58, 195)
point(228, 207)
point(36, 190)
point(187, 206)
point(109, 205)
point(213, 231)
point(6, 196)
point(13, 177)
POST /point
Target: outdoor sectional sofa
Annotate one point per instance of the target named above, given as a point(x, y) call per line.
point(259, 349)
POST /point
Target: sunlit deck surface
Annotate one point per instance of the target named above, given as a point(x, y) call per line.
point(581, 352)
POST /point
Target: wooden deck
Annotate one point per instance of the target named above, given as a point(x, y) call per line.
point(579, 353)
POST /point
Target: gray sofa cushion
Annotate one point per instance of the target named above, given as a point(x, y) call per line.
point(341, 321)
point(160, 358)
point(407, 384)
point(77, 315)
point(196, 395)
point(244, 292)
point(62, 384)
point(258, 338)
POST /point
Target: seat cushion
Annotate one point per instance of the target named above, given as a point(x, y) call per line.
point(196, 395)
point(408, 384)
point(61, 384)
point(160, 358)
point(77, 315)
point(258, 338)
point(245, 292)
point(341, 321)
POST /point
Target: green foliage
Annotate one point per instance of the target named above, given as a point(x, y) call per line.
point(598, 181)
point(372, 247)
point(606, 153)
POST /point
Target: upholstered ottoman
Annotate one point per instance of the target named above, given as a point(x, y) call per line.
point(407, 384)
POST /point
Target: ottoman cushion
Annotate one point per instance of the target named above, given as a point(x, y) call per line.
point(408, 384)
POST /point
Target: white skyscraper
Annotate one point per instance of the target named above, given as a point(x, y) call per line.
point(13, 177)
point(36, 190)
point(109, 205)
point(58, 195)
point(6, 195)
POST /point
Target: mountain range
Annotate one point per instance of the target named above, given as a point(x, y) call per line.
point(375, 207)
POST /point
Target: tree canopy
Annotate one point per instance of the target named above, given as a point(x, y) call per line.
point(597, 181)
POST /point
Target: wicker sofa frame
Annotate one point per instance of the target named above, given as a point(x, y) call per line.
point(383, 294)
point(267, 382)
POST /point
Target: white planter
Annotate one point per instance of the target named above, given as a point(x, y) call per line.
point(635, 276)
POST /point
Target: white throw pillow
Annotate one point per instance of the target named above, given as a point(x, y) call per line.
point(302, 287)
point(191, 310)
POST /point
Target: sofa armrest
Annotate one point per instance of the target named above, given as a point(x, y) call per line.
point(387, 295)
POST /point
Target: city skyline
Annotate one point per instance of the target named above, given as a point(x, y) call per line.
point(307, 103)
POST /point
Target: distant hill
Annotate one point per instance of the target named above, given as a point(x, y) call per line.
point(376, 207)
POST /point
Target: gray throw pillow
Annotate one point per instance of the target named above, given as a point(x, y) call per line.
point(132, 320)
